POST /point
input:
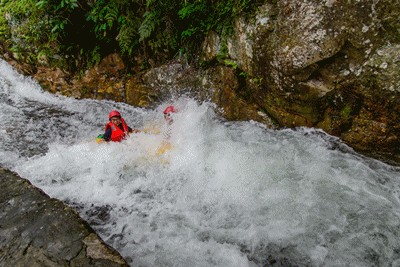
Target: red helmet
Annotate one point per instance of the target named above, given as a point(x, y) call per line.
point(114, 113)
point(169, 109)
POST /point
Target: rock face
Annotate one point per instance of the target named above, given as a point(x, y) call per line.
point(328, 64)
point(36, 230)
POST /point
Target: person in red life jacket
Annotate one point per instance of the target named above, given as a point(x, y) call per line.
point(116, 129)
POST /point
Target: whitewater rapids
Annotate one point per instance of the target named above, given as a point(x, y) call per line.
point(227, 194)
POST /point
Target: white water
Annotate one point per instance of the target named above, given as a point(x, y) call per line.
point(228, 194)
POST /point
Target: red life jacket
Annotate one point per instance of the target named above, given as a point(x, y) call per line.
point(117, 135)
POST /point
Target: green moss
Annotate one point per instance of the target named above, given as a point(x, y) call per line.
point(231, 63)
point(4, 28)
point(223, 52)
point(345, 113)
point(84, 91)
point(257, 80)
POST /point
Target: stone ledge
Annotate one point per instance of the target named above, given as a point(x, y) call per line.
point(36, 230)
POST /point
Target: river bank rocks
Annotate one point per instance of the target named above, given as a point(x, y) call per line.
point(38, 231)
point(328, 64)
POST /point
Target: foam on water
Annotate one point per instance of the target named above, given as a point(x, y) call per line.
point(227, 194)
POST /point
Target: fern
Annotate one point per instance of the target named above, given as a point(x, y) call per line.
point(111, 16)
point(148, 25)
point(67, 5)
point(42, 4)
point(191, 10)
point(128, 36)
point(105, 17)
point(158, 27)
point(150, 3)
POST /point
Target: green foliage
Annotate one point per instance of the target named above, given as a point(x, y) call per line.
point(106, 16)
point(193, 15)
point(243, 74)
point(346, 111)
point(128, 36)
point(35, 30)
point(205, 15)
point(95, 56)
point(257, 80)
point(82, 32)
point(148, 25)
point(58, 14)
point(223, 52)
point(116, 23)
point(230, 63)
point(5, 32)
point(158, 30)
point(24, 26)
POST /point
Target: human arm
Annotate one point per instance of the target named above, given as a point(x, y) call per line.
point(130, 130)
point(107, 134)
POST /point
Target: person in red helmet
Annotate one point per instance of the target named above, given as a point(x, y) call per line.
point(168, 114)
point(169, 118)
point(116, 129)
point(166, 144)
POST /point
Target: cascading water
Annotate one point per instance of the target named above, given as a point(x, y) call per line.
point(226, 194)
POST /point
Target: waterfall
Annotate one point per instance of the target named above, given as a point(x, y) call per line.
point(226, 194)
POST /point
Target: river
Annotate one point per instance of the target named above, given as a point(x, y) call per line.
point(226, 194)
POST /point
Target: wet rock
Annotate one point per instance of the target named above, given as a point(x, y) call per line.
point(140, 94)
point(36, 230)
point(328, 64)
point(219, 84)
point(383, 68)
point(54, 80)
point(103, 81)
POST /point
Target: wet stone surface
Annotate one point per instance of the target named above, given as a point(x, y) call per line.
point(36, 230)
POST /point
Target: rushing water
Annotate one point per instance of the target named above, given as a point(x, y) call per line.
point(227, 194)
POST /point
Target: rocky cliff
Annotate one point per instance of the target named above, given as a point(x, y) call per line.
point(327, 64)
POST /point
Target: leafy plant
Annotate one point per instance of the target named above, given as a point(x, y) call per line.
point(148, 25)
point(60, 14)
point(81, 32)
point(105, 16)
point(128, 37)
